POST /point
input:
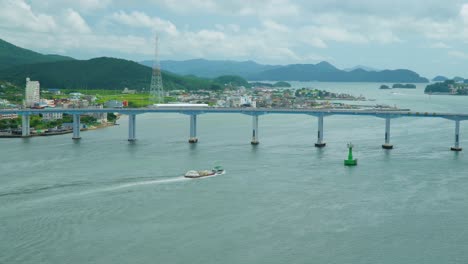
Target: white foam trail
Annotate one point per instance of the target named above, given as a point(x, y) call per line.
point(105, 189)
point(132, 184)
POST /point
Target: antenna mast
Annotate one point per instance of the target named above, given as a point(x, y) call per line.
point(156, 88)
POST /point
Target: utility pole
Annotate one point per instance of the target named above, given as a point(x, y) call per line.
point(156, 88)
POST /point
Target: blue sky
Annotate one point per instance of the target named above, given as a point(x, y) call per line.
point(427, 36)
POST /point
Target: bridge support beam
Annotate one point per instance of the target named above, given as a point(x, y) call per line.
point(254, 130)
point(457, 137)
point(320, 143)
point(76, 126)
point(25, 125)
point(193, 129)
point(131, 127)
point(387, 144)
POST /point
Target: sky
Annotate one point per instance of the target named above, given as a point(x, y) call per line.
point(427, 36)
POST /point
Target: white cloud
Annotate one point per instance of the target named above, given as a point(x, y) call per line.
point(274, 26)
point(140, 19)
point(80, 5)
point(276, 31)
point(440, 45)
point(260, 8)
point(17, 14)
point(190, 5)
point(458, 54)
point(464, 13)
point(75, 23)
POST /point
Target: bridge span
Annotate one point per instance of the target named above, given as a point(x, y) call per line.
point(193, 112)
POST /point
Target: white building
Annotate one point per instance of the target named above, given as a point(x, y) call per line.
point(52, 116)
point(32, 92)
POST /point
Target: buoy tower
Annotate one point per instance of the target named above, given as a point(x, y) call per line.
point(350, 161)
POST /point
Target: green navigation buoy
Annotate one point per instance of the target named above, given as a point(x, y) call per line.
point(350, 161)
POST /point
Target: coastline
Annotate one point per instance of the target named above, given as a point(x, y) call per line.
point(68, 131)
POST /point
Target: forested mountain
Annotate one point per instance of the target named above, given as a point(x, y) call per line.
point(212, 68)
point(11, 55)
point(98, 73)
point(322, 71)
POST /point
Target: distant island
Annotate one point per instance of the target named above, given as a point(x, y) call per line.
point(440, 78)
point(399, 86)
point(252, 71)
point(456, 79)
point(404, 86)
point(447, 87)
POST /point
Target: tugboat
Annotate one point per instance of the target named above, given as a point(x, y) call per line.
point(217, 170)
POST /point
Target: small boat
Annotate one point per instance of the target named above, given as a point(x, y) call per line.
point(218, 170)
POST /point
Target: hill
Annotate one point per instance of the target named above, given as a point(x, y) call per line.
point(253, 71)
point(11, 55)
point(326, 72)
point(98, 73)
point(366, 68)
point(211, 68)
point(232, 80)
point(439, 78)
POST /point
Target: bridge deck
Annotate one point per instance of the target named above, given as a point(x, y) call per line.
point(247, 111)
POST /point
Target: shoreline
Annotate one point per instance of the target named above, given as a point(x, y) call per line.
point(68, 131)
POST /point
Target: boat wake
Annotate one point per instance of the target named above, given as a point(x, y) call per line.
point(139, 183)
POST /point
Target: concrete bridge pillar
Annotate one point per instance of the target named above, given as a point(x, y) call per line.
point(254, 130)
point(320, 143)
point(193, 129)
point(131, 127)
point(457, 137)
point(387, 144)
point(25, 125)
point(76, 126)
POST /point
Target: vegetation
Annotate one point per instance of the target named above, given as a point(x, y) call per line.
point(439, 87)
point(37, 122)
point(326, 72)
point(212, 68)
point(11, 55)
point(108, 74)
point(282, 84)
point(111, 117)
point(10, 123)
point(232, 80)
point(11, 92)
point(449, 86)
point(440, 78)
point(405, 86)
point(261, 84)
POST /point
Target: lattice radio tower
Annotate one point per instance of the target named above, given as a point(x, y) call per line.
point(156, 88)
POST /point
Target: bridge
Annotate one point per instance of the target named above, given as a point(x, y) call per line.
point(193, 112)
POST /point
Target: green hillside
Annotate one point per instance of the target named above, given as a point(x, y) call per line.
point(11, 55)
point(99, 73)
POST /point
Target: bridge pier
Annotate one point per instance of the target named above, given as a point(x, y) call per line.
point(25, 125)
point(320, 143)
point(387, 144)
point(457, 137)
point(193, 129)
point(76, 126)
point(254, 130)
point(131, 127)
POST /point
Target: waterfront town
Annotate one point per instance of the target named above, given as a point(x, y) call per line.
point(258, 96)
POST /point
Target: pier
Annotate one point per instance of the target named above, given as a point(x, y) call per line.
point(255, 113)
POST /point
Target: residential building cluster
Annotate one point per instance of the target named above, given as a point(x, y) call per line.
point(33, 100)
point(264, 97)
